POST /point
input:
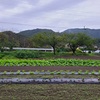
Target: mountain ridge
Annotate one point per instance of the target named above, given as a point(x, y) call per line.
point(95, 33)
point(29, 33)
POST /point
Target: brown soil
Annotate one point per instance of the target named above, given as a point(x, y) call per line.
point(80, 57)
point(51, 68)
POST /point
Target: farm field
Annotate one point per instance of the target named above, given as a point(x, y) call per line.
point(73, 63)
point(50, 92)
point(49, 50)
point(50, 68)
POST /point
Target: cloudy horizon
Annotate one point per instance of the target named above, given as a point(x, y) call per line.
point(58, 15)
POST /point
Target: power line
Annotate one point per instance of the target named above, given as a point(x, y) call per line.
point(23, 24)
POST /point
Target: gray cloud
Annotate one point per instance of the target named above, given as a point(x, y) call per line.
point(55, 5)
point(55, 14)
point(59, 5)
point(9, 4)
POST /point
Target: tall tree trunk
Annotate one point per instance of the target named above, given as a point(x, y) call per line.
point(54, 50)
point(73, 50)
point(2, 50)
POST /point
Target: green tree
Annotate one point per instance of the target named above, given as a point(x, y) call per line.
point(53, 39)
point(97, 43)
point(43, 39)
point(38, 40)
point(3, 41)
point(76, 40)
point(12, 39)
point(12, 42)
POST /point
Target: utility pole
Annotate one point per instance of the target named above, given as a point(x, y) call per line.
point(84, 28)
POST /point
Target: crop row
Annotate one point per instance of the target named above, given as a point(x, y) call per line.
point(50, 62)
point(80, 72)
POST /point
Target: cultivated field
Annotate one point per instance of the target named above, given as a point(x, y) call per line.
point(51, 91)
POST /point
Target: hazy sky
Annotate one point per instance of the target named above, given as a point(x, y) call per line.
point(18, 15)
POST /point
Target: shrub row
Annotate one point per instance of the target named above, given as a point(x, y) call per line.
point(21, 54)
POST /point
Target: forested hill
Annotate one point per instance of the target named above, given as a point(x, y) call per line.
point(11, 34)
point(91, 32)
point(29, 33)
point(95, 33)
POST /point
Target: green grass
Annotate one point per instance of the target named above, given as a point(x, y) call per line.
point(50, 92)
point(38, 54)
point(22, 54)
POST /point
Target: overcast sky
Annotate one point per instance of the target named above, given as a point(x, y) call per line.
point(59, 15)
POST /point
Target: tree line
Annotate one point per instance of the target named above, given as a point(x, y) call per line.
point(50, 39)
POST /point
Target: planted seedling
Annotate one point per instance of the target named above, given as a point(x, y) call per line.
point(93, 72)
point(61, 70)
point(18, 72)
point(31, 73)
point(86, 72)
point(42, 70)
point(80, 72)
point(11, 73)
point(24, 72)
point(58, 73)
point(52, 73)
point(67, 71)
point(48, 70)
point(99, 72)
point(5, 72)
point(73, 72)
